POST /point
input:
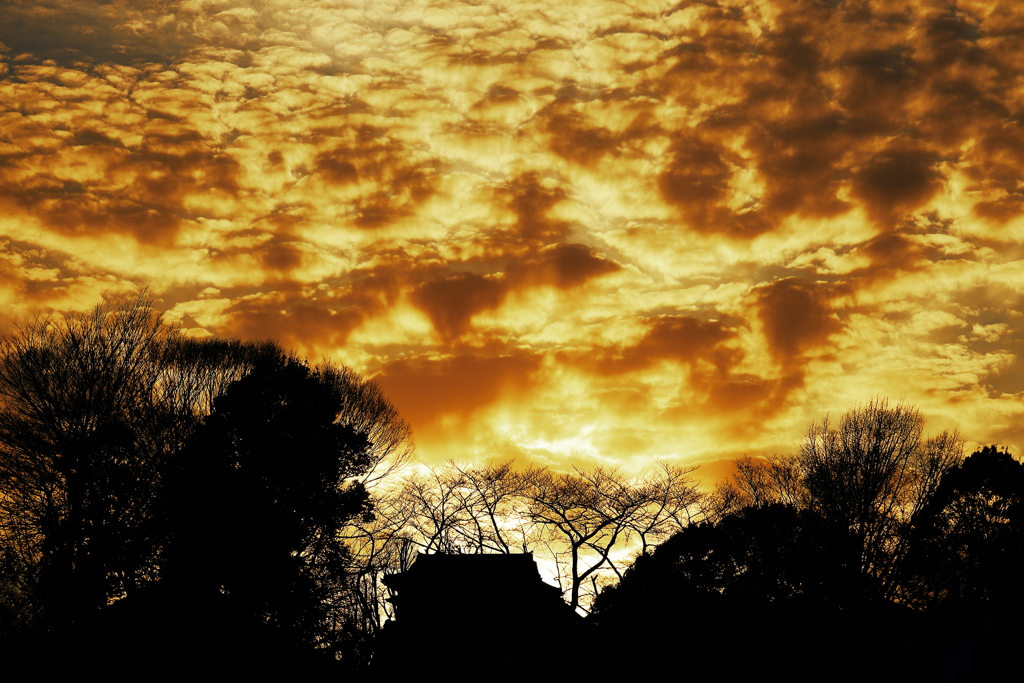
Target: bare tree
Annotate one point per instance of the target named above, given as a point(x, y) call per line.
point(379, 545)
point(584, 526)
point(437, 519)
point(674, 501)
point(455, 508)
point(761, 481)
point(366, 409)
point(447, 508)
point(491, 496)
point(870, 475)
point(587, 516)
point(80, 434)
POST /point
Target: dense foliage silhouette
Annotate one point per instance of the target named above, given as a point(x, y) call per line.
point(966, 549)
point(872, 554)
point(140, 467)
point(869, 476)
point(220, 499)
point(258, 497)
point(92, 408)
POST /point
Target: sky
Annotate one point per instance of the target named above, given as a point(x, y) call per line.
point(576, 233)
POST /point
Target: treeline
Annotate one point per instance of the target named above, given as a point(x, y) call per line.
point(145, 472)
point(583, 527)
point(872, 554)
point(237, 499)
point(139, 466)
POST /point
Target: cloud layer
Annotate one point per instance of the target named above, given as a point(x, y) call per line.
point(569, 232)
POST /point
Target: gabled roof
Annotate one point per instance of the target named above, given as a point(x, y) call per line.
point(469, 571)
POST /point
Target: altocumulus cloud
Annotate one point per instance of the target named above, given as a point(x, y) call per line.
point(568, 232)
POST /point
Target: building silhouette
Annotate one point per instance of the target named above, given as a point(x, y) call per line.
point(486, 613)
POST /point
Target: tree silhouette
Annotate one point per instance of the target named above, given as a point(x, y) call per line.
point(130, 454)
point(364, 408)
point(869, 476)
point(872, 475)
point(967, 544)
point(878, 551)
point(771, 554)
point(583, 540)
point(769, 590)
point(260, 495)
point(584, 516)
point(81, 432)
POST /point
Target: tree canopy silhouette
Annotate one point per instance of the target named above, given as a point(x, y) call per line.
point(770, 557)
point(967, 544)
point(130, 454)
point(868, 476)
point(260, 494)
point(880, 552)
point(82, 430)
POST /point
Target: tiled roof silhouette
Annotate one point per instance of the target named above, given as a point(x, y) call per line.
point(494, 610)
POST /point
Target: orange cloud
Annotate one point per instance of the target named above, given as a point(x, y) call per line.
point(796, 317)
point(453, 301)
point(427, 389)
point(605, 231)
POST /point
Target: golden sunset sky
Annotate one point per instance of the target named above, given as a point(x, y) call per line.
point(566, 232)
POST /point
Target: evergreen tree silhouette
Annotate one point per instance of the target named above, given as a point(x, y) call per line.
point(259, 495)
